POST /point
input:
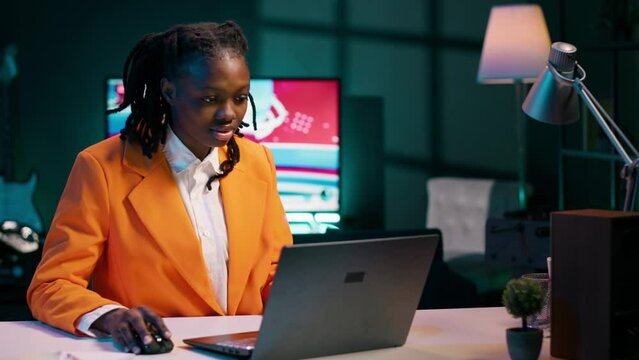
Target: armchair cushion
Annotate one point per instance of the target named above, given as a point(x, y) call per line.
point(459, 207)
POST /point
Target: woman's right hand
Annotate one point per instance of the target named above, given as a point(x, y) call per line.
point(122, 324)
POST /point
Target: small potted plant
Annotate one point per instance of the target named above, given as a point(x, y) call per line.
point(523, 298)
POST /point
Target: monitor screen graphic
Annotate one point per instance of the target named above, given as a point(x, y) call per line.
point(298, 120)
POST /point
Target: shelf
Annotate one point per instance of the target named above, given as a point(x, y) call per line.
point(589, 155)
point(586, 165)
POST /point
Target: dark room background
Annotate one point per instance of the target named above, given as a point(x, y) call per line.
point(420, 57)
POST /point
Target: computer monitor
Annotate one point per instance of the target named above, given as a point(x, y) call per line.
point(298, 119)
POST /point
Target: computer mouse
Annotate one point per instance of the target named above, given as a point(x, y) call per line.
point(159, 344)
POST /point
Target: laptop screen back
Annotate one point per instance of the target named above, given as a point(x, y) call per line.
point(341, 297)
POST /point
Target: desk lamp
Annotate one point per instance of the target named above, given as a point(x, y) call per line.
point(515, 49)
point(553, 100)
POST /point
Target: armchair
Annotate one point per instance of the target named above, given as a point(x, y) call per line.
point(460, 207)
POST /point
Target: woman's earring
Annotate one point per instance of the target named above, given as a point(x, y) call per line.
point(163, 118)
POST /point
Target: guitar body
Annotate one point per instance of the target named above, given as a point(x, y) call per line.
point(16, 203)
point(16, 199)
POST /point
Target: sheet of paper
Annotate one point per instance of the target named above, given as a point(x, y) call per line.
point(74, 355)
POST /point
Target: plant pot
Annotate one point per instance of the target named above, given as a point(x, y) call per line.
point(524, 344)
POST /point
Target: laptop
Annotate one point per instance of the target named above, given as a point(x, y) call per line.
point(336, 297)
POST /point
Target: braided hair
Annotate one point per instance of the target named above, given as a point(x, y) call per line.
point(159, 55)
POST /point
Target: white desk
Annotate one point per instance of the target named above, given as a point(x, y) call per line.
point(435, 334)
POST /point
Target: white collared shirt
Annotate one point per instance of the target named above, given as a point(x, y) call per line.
point(206, 212)
point(204, 207)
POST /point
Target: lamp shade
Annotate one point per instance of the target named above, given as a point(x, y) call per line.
point(553, 99)
point(515, 45)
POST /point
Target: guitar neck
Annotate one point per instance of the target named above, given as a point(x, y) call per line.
point(5, 134)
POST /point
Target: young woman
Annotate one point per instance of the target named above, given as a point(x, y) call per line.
point(165, 220)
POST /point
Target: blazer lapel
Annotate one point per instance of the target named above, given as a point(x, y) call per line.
point(243, 197)
point(158, 204)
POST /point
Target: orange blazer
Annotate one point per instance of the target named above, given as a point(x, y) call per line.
point(121, 229)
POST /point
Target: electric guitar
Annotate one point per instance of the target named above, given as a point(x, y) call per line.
point(16, 198)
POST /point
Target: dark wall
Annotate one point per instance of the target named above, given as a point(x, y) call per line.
point(606, 33)
point(8, 23)
point(419, 57)
point(66, 49)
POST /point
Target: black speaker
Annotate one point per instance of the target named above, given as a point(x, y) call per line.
point(595, 272)
point(362, 174)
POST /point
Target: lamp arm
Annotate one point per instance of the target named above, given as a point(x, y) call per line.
point(602, 117)
point(589, 100)
point(631, 165)
point(611, 122)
